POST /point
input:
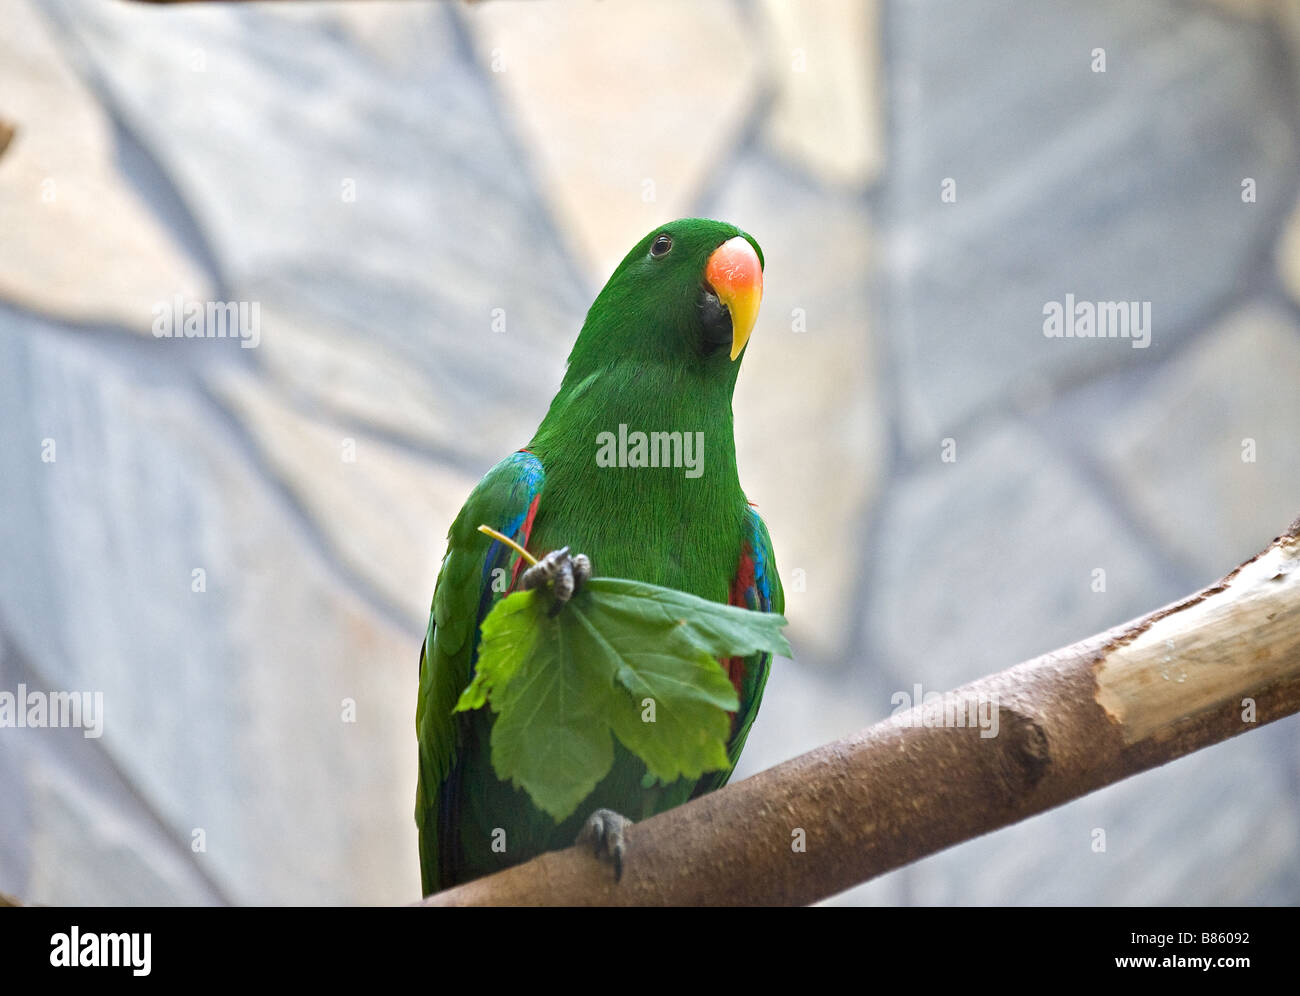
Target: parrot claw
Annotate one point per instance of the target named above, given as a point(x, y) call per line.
point(606, 833)
point(567, 572)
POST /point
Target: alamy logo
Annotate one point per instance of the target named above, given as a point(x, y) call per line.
point(947, 709)
point(101, 950)
point(181, 319)
point(84, 710)
point(1098, 320)
point(651, 449)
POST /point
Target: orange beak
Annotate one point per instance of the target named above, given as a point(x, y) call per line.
point(736, 276)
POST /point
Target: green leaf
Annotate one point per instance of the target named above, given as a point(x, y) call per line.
point(723, 630)
point(508, 636)
point(625, 657)
point(550, 736)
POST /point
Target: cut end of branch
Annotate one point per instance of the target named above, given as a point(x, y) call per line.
point(1186, 660)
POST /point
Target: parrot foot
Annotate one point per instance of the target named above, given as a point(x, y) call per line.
point(606, 833)
point(567, 572)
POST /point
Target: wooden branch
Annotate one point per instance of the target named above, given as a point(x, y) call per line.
point(1204, 669)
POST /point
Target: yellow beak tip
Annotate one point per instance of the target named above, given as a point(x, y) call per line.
point(736, 276)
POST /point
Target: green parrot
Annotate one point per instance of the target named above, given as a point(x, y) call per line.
point(658, 353)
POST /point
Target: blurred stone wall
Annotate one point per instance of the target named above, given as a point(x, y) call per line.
point(237, 546)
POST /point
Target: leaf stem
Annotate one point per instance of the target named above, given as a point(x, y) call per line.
point(502, 538)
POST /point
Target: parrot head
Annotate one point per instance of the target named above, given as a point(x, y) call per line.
point(689, 290)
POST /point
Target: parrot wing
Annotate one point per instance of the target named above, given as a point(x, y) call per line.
point(475, 573)
point(756, 586)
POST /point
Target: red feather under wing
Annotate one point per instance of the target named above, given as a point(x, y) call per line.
point(525, 531)
point(741, 591)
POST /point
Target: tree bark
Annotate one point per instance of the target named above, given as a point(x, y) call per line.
point(1218, 663)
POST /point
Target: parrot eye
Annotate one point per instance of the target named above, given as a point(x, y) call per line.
point(661, 245)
